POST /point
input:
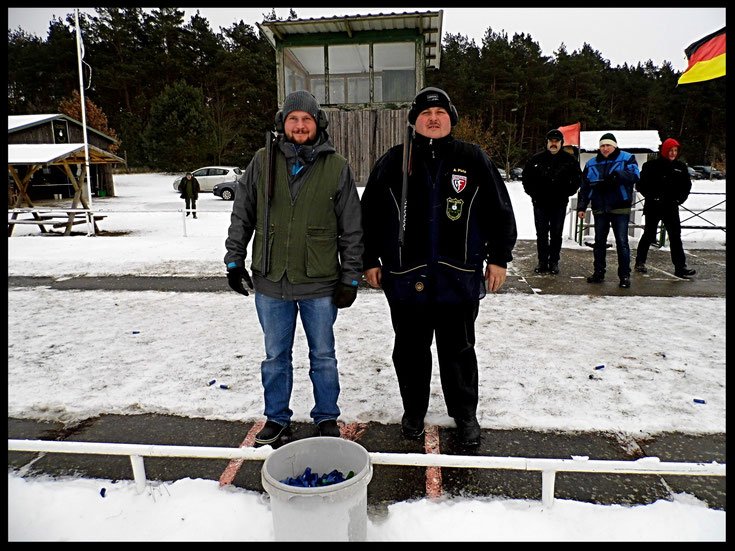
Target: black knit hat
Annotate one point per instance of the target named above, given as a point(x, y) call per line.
point(432, 97)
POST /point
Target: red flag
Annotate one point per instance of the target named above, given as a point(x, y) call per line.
point(706, 58)
point(571, 134)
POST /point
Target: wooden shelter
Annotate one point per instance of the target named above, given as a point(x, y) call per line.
point(364, 69)
point(24, 160)
point(60, 129)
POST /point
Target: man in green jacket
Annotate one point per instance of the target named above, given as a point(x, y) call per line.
point(189, 188)
point(313, 257)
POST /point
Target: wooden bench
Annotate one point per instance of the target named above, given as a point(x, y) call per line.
point(56, 220)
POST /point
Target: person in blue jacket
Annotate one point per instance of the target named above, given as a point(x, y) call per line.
point(435, 246)
point(608, 183)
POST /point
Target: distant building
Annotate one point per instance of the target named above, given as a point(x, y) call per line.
point(365, 71)
point(57, 129)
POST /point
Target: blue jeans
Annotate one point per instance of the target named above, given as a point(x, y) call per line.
point(278, 319)
point(619, 224)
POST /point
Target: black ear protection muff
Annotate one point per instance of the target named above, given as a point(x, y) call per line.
point(413, 113)
point(321, 122)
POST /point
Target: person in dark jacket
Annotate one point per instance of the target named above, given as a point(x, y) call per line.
point(608, 182)
point(665, 184)
point(550, 178)
point(313, 258)
point(189, 188)
point(433, 250)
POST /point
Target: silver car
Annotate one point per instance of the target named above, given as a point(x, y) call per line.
point(209, 176)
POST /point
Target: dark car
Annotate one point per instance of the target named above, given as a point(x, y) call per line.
point(709, 172)
point(226, 190)
point(694, 175)
point(516, 173)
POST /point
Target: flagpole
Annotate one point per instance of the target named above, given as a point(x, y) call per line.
point(84, 110)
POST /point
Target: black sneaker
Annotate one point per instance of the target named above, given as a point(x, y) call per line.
point(625, 282)
point(596, 278)
point(684, 272)
point(468, 432)
point(329, 427)
point(541, 268)
point(412, 429)
point(271, 432)
point(641, 268)
point(554, 268)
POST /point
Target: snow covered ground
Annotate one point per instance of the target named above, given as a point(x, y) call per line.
point(127, 355)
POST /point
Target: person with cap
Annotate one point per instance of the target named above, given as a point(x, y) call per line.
point(665, 184)
point(435, 243)
point(550, 177)
point(313, 257)
point(189, 188)
point(608, 182)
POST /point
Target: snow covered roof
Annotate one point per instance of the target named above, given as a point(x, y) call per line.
point(18, 122)
point(642, 140)
point(33, 154)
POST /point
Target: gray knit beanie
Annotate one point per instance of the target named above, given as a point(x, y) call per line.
point(301, 100)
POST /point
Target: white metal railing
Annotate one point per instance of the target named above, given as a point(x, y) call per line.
point(577, 228)
point(547, 467)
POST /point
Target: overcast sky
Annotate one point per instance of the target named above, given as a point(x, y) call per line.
point(621, 35)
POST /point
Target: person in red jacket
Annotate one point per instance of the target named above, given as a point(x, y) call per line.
point(665, 184)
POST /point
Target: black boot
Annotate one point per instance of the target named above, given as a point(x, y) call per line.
point(412, 429)
point(329, 427)
point(468, 431)
point(542, 268)
point(596, 278)
point(641, 268)
point(271, 433)
point(554, 268)
point(684, 272)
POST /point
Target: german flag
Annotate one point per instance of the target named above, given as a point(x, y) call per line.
point(706, 58)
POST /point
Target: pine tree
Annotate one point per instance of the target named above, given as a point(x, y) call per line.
point(96, 118)
point(179, 132)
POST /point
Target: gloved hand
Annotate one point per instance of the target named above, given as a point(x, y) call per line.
point(235, 277)
point(344, 295)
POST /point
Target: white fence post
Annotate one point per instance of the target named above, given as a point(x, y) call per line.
point(138, 472)
point(548, 478)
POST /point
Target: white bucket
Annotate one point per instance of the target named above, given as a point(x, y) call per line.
point(337, 512)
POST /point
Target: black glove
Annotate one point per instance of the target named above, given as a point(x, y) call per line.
point(235, 277)
point(344, 295)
